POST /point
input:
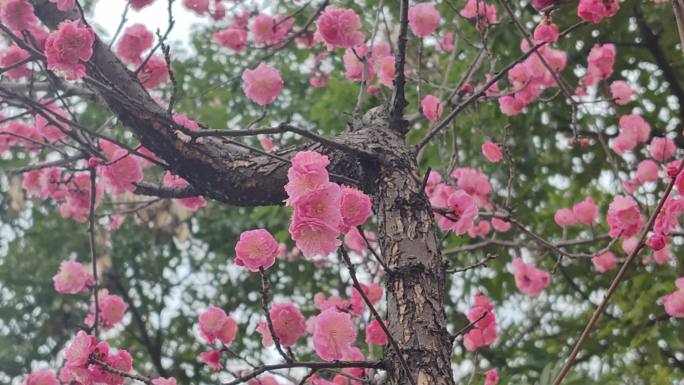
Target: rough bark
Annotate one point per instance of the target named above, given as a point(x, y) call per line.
point(416, 280)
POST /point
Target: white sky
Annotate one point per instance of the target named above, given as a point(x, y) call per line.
point(108, 16)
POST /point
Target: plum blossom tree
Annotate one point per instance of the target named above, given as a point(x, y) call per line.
point(405, 193)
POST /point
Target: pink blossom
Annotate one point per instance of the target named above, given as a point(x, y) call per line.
point(375, 335)
point(431, 107)
point(262, 84)
point(636, 126)
point(321, 204)
point(122, 172)
point(121, 361)
point(266, 143)
point(72, 278)
point(214, 323)
point(647, 171)
point(308, 171)
point(479, 9)
point(662, 149)
point(510, 106)
point(200, 7)
point(135, 40)
point(334, 333)
point(41, 377)
point(433, 180)
point(164, 381)
point(529, 279)
point(472, 181)
point(501, 225)
point(546, 32)
point(232, 38)
point(11, 56)
point(384, 68)
point(112, 309)
point(624, 217)
point(354, 241)
point(657, 242)
point(68, 48)
point(446, 43)
point(629, 244)
point(193, 203)
point(269, 31)
point(463, 212)
point(491, 377)
point(621, 91)
point(604, 262)
point(481, 229)
point(154, 73)
point(586, 211)
point(49, 131)
point(354, 207)
point(600, 63)
point(212, 359)
point(78, 352)
point(339, 27)
point(491, 151)
point(353, 67)
point(596, 10)
point(17, 15)
point(423, 19)
point(314, 237)
point(256, 250)
point(477, 338)
point(674, 302)
point(41, 183)
point(288, 323)
point(139, 4)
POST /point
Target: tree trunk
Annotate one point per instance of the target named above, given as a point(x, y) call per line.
point(416, 281)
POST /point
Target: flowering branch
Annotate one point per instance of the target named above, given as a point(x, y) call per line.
point(616, 282)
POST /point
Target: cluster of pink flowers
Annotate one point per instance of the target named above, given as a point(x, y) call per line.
point(135, 40)
point(529, 279)
point(674, 302)
point(423, 19)
point(80, 368)
point(270, 31)
point(531, 77)
point(215, 324)
point(112, 310)
point(375, 335)
point(624, 217)
point(154, 73)
point(68, 49)
point(322, 209)
point(633, 130)
point(462, 201)
point(585, 212)
point(599, 64)
point(481, 11)
point(289, 325)
point(339, 27)
point(380, 63)
point(596, 10)
point(72, 278)
point(262, 84)
point(484, 331)
point(10, 58)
